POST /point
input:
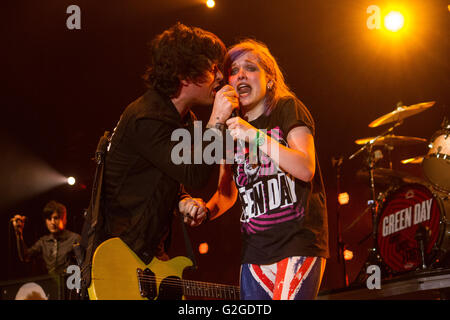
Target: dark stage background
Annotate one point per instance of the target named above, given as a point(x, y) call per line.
point(61, 89)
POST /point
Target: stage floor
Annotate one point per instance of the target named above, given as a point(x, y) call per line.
point(423, 285)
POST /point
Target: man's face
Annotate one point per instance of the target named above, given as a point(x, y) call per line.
point(54, 223)
point(204, 91)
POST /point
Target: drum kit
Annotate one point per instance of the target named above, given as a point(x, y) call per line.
point(411, 216)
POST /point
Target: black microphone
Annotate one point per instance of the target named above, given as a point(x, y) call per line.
point(236, 112)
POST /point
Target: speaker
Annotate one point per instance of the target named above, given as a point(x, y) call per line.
point(44, 287)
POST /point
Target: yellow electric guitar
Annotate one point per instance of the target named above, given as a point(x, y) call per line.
point(119, 274)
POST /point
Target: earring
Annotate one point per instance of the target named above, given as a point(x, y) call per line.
point(269, 85)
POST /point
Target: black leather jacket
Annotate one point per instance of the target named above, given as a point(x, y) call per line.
point(141, 185)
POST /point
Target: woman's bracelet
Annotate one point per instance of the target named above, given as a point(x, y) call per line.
point(259, 140)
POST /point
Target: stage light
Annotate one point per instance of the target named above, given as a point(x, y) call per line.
point(210, 3)
point(394, 21)
point(348, 255)
point(71, 181)
point(203, 248)
point(343, 198)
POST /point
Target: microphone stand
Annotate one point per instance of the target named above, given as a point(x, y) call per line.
point(337, 163)
point(374, 257)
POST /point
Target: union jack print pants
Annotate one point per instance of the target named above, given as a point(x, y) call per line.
point(293, 278)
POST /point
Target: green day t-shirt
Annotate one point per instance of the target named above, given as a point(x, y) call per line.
point(281, 216)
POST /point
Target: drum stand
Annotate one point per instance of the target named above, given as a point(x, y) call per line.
point(420, 237)
point(374, 257)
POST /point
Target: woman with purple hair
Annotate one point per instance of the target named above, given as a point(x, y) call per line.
point(276, 174)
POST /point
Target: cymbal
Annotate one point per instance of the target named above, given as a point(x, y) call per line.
point(401, 113)
point(415, 160)
point(389, 177)
point(383, 176)
point(392, 140)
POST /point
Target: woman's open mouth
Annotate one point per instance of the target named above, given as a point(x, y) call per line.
point(244, 89)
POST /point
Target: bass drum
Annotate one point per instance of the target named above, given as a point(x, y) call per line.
point(410, 213)
point(436, 164)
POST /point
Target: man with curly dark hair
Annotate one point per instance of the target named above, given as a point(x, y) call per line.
point(142, 186)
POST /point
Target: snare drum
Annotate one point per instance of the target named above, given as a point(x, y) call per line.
point(436, 165)
point(407, 212)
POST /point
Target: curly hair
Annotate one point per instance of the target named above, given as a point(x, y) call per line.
point(181, 53)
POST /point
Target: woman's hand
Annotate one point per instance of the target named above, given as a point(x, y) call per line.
point(298, 158)
point(241, 129)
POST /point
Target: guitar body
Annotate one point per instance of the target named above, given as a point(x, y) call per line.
point(115, 274)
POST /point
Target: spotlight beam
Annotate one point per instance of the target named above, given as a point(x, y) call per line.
point(24, 175)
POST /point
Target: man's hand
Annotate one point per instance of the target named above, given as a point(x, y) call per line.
point(194, 211)
point(225, 102)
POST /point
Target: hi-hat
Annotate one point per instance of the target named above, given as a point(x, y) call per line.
point(401, 113)
point(391, 140)
point(384, 176)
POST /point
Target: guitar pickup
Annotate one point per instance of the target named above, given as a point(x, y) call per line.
point(147, 283)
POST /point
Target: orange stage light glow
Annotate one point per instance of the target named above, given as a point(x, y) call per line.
point(343, 198)
point(348, 255)
point(203, 248)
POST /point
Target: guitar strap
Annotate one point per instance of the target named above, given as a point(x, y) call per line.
point(187, 242)
point(91, 234)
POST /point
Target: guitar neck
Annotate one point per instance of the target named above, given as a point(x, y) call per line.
point(210, 290)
